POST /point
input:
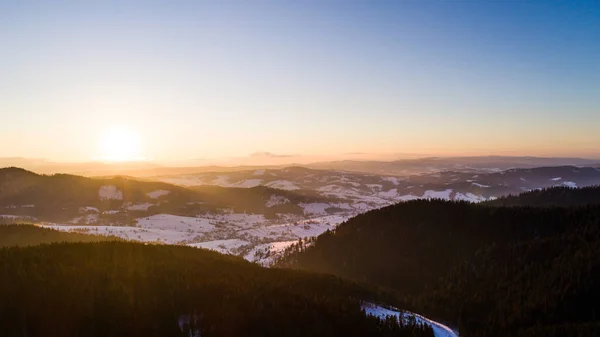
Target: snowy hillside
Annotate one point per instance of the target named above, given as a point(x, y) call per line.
point(249, 235)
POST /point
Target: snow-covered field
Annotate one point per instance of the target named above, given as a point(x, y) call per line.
point(248, 235)
point(439, 329)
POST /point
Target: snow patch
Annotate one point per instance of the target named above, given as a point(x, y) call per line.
point(110, 192)
point(377, 187)
point(362, 206)
point(87, 209)
point(157, 194)
point(242, 219)
point(470, 197)
point(276, 200)
point(480, 185)
point(283, 185)
point(265, 253)
point(393, 180)
point(389, 194)
point(330, 188)
point(248, 183)
point(315, 208)
point(221, 181)
point(139, 207)
point(430, 194)
point(16, 217)
point(345, 206)
point(406, 197)
point(184, 180)
point(175, 223)
point(87, 219)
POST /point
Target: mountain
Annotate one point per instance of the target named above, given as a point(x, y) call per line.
point(367, 191)
point(476, 164)
point(61, 197)
point(400, 167)
point(79, 168)
point(130, 289)
point(490, 271)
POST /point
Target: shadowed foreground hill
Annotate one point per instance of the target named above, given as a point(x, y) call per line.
point(490, 271)
point(29, 235)
point(129, 289)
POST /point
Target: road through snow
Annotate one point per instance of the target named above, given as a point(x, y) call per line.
point(439, 329)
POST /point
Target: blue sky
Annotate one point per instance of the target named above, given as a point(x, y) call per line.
point(228, 78)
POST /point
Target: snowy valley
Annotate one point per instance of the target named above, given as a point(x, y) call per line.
point(255, 213)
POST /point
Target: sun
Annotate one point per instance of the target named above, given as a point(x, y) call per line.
point(119, 144)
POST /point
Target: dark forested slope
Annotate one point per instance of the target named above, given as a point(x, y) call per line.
point(129, 289)
point(542, 287)
point(492, 271)
point(408, 245)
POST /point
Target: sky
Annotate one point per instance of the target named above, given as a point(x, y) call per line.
point(186, 81)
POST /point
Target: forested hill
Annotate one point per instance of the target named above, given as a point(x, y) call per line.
point(492, 271)
point(61, 197)
point(120, 200)
point(130, 289)
point(424, 238)
point(555, 196)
